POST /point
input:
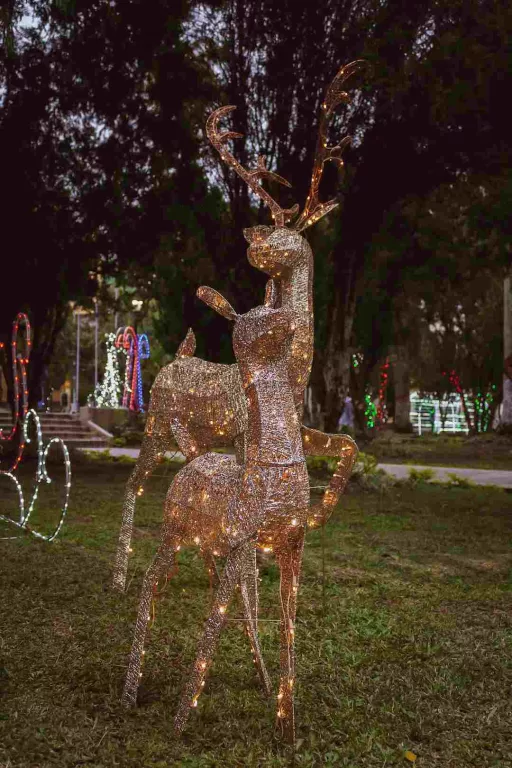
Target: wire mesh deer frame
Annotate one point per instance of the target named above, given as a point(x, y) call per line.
point(228, 506)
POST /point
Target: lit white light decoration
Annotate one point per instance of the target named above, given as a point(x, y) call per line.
point(21, 420)
point(108, 393)
point(426, 414)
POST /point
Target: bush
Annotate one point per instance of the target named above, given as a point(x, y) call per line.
point(420, 476)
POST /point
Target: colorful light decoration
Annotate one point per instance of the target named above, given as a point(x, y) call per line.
point(480, 413)
point(21, 418)
point(136, 348)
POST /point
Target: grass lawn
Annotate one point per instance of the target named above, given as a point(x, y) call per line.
point(405, 646)
point(486, 451)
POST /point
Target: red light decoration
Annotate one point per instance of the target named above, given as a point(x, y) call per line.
point(383, 385)
point(19, 373)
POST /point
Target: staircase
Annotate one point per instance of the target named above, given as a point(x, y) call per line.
point(75, 433)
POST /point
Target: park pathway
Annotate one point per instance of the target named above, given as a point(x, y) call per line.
point(500, 477)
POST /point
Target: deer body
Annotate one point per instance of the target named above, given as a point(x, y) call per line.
point(201, 405)
point(227, 508)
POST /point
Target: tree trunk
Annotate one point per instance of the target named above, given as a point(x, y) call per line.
point(401, 382)
point(44, 337)
point(315, 395)
point(506, 411)
point(336, 369)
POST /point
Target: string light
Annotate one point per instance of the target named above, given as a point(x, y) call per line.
point(107, 394)
point(381, 414)
point(370, 411)
point(21, 421)
point(264, 404)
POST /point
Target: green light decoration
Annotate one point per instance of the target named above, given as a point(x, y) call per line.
point(370, 411)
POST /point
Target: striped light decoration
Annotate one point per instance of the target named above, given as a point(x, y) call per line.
point(137, 349)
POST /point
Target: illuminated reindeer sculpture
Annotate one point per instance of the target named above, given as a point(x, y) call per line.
point(229, 508)
point(201, 405)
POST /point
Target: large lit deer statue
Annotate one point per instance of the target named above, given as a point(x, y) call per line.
point(229, 508)
point(201, 405)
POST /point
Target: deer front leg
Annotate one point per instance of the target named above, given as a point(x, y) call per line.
point(163, 561)
point(211, 633)
point(249, 590)
point(153, 448)
point(343, 448)
point(289, 560)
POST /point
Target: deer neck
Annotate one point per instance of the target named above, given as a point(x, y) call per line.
point(273, 427)
point(297, 293)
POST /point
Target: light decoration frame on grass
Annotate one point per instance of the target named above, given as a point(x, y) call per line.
point(21, 419)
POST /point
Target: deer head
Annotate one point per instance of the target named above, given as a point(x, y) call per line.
point(259, 336)
point(275, 249)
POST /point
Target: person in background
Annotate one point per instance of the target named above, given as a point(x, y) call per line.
point(346, 420)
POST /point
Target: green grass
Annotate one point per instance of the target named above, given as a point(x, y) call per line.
point(486, 451)
point(407, 645)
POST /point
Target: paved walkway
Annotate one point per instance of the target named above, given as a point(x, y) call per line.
point(499, 477)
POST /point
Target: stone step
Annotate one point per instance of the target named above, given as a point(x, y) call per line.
point(54, 428)
point(70, 429)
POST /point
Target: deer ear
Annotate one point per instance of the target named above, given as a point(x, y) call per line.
point(271, 295)
point(216, 302)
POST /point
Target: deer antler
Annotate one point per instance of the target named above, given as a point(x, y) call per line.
point(218, 140)
point(334, 95)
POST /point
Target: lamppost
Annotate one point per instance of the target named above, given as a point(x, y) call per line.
point(96, 323)
point(78, 312)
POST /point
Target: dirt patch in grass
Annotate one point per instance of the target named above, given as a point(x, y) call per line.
point(406, 644)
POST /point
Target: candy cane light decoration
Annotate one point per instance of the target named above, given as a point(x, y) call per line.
point(136, 348)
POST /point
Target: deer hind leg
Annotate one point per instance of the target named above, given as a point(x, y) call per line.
point(289, 559)
point(249, 590)
point(162, 563)
point(211, 633)
point(152, 449)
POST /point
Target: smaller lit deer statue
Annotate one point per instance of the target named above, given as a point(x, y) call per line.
point(229, 509)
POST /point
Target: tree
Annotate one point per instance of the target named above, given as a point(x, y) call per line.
point(99, 155)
